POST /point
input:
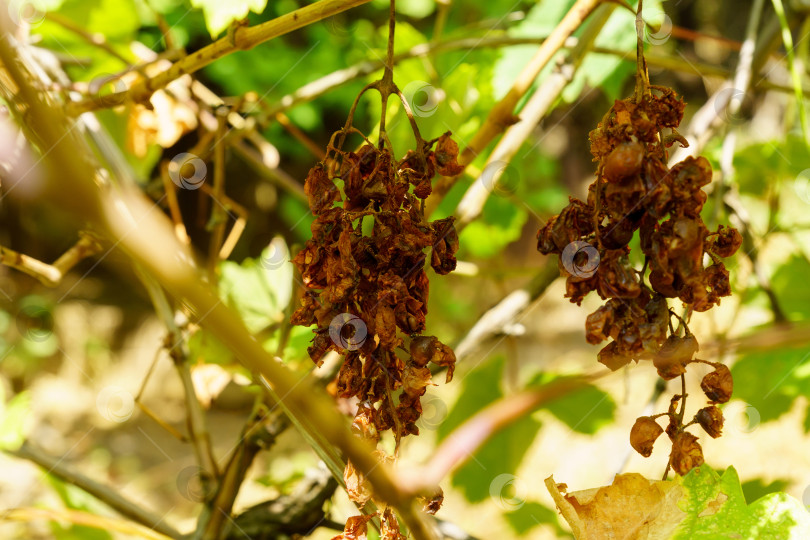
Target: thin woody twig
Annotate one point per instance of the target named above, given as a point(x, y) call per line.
point(51, 275)
point(462, 443)
point(105, 494)
point(502, 114)
point(325, 84)
point(472, 203)
point(195, 418)
point(250, 443)
point(239, 39)
point(218, 219)
point(296, 132)
point(93, 38)
point(507, 311)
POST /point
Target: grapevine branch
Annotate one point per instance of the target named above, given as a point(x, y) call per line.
point(462, 443)
point(508, 310)
point(329, 82)
point(239, 39)
point(502, 114)
point(51, 275)
point(176, 347)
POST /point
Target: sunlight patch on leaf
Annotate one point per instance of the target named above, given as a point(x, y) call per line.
point(219, 15)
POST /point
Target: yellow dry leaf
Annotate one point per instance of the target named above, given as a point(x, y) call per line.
point(172, 113)
point(632, 508)
point(209, 381)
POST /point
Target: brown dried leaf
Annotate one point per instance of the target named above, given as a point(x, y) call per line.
point(320, 190)
point(390, 527)
point(356, 528)
point(350, 376)
point(357, 487)
point(446, 156)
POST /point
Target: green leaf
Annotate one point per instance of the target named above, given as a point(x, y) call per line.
point(789, 283)
point(116, 20)
point(219, 14)
point(584, 411)
point(77, 499)
point(206, 348)
point(771, 380)
point(531, 514)
point(13, 417)
point(259, 289)
point(502, 454)
point(500, 224)
point(715, 508)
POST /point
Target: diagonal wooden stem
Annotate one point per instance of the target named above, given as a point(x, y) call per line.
point(239, 39)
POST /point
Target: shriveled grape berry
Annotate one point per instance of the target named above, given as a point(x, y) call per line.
point(686, 453)
point(711, 420)
point(644, 434)
point(637, 192)
point(367, 290)
point(718, 385)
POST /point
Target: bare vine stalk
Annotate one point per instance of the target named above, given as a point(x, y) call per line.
point(239, 38)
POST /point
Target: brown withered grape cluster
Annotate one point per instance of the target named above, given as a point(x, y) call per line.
point(366, 285)
point(636, 192)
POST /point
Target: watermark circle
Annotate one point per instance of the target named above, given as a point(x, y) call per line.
point(115, 404)
point(274, 255)
point(179, 173)
point(422, 97)
point(335, 23)
point(191, 484)
point(728, 104)
point(338, 329)
point(801, 185)
point(35, 322)
point(25, 12)
point(580, 259)
point(740, 418)
point(657, 33)
point(434, 411)
point(500, 178)
point(507, 491)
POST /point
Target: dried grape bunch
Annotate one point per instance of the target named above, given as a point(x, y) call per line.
point(635, 191)
point(364, 270)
